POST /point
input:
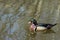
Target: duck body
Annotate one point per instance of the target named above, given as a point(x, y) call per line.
point(41, 27)
point(34, 26)
point(37, 28)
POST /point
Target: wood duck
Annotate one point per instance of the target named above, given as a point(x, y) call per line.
point(34, 26)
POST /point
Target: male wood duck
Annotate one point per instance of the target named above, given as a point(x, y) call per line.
point(34, 26)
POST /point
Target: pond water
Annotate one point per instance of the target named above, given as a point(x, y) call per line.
point(14, 22)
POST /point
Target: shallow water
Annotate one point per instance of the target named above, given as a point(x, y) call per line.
point(14, 16)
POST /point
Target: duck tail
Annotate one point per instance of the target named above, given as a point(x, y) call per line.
point(51, 26)
point(54, 24)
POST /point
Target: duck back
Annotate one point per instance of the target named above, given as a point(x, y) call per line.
point(48, 26)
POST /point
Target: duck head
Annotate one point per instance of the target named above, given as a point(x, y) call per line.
point(32, 24)
point(32, 21)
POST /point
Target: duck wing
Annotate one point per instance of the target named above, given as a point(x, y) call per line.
point(47, 25)
point(43, 24)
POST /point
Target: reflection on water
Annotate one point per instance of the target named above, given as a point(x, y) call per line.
point(42, 35)
point(7, 38)
point(4, 18)
point(22, 9)
point(14, 28)
point(49, 31)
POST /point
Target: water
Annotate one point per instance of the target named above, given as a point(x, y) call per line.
point(14, 16)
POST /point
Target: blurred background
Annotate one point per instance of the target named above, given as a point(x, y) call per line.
point(15, 14)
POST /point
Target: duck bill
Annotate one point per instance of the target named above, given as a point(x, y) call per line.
point(29, 22)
